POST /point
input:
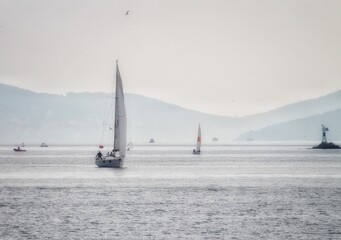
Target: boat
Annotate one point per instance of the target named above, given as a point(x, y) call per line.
point(130, 146)
point(18, 149)
point(197, 149)
point(43, 145)
point(151, 140)
point(215, 139)
point(115, 157)
point(325, 144)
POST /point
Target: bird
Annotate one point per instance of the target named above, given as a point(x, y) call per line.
point(127, 13)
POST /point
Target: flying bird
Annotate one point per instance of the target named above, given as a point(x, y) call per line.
point(127, 13)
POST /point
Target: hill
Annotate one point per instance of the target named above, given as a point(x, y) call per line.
point(77, 118)
point(307, 129)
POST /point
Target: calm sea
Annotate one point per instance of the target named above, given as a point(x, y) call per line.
point(260, 191)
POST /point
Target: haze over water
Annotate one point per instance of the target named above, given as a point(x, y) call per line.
point(259, 191)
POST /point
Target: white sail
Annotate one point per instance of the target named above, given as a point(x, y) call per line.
point(120, 117)
point(197, 149)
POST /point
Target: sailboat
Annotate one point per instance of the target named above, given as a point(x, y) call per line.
point(115, 157)
point(197, 149)
point(130, 146)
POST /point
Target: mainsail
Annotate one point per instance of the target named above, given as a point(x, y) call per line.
point(120, 117)
point(197, 149)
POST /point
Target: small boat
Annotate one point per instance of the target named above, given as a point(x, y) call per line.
point(151, 140)
point(18, 149)
point(197, 149)
point(43, 145)
point(115, 158)
point(129, 146)
point(325, 144)
point(215, 139)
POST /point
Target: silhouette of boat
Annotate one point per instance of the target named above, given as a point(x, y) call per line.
point(18, 149)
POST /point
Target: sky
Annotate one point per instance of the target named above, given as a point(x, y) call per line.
point(225, 57)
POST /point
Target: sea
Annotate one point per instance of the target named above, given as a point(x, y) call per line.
point(233, 191)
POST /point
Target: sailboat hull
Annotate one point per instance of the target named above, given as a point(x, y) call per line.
point(109, 162)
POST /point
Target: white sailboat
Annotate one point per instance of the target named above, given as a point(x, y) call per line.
point(115, 157)
point(197, 149)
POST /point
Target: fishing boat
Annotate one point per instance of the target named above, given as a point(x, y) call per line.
point(325, 144)
point(197, 149)
point(18, 149)
point(114, 158)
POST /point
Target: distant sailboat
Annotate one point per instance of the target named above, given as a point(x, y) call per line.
point(151, 140)
point(115, 157)
point(43, 145)
point(197, 149)
point(130, 146)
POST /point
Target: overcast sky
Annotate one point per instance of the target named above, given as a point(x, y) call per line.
point(227, 57)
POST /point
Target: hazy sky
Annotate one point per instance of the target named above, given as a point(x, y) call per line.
point(224, 57)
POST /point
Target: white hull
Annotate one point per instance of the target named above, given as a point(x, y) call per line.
point(110, 162)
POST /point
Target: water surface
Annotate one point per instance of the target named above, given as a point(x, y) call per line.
point(249, 191)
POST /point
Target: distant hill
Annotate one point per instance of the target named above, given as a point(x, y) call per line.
point(307, 129)
point(77, 118)
point(293, 111)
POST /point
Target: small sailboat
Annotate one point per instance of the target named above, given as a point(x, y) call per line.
point(43, 144)
point(115, 157)
point(130, 146)
point(197, 149)
point(152, 140)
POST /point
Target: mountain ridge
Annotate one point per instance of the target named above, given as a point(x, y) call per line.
point(303, 129)
point(77, 117)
